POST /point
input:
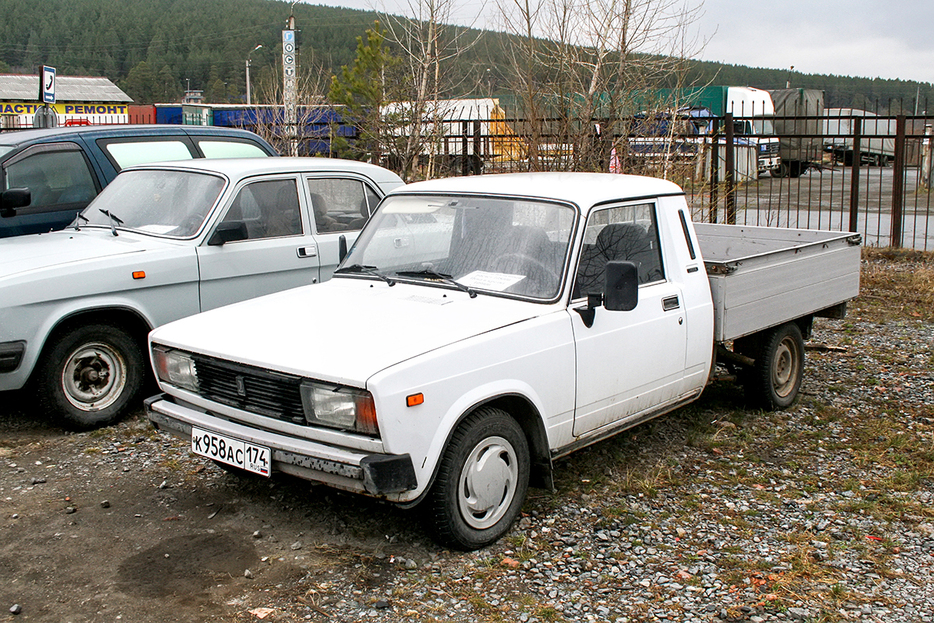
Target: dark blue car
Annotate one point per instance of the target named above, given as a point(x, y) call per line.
point(65, 168)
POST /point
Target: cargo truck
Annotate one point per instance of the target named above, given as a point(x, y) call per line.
point(799, 127)
point(752, 111)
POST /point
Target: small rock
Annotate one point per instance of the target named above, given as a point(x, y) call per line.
point(410, 564)
point(105, 504)
point(257, 535)
point(382, 604)
point(38, 481)
point(248, 574)
point(297, 545)
point(70, 509)
point(798, 613)
point(16, 609)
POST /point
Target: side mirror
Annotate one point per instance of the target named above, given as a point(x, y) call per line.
point(341, 248)
point(12, 199)
point(621, 292)
point(228, 231)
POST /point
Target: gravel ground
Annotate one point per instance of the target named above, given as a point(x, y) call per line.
point(823, 512)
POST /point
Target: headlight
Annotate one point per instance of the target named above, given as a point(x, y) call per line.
point(175, 368)
point(345, 408)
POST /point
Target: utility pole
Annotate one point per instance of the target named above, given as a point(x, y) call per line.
point(248, 101)
point(289, 84)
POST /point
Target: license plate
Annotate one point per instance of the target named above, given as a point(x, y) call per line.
point(231, 451)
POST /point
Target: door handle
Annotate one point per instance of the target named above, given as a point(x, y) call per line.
point(670, 303)
point(308, 251)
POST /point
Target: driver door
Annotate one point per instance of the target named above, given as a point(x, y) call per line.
point(628, 362)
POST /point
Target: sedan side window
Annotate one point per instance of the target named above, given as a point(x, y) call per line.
point(56, 179)
point(215, 148)
point(127, 153)
point(625, 233)
point(269, 209)
point(341, 204)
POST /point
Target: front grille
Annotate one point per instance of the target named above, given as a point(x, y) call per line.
point(771, 149)
point(251, 389)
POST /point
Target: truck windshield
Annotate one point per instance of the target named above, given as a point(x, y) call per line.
point(511, 246)
point(165, 203)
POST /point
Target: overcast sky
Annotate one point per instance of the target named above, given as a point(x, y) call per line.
point(866, 38)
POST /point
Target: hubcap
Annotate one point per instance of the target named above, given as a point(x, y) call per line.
point(94, 377)
point(785, 367)
point(488, 482)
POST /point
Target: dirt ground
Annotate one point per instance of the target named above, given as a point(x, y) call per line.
point(122, 524)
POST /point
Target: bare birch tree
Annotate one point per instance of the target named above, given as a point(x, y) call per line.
point(601, 58)
point(428, 43)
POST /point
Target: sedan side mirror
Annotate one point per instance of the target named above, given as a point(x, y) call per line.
point(12, 199)
point(228, 231)
point(621, 292)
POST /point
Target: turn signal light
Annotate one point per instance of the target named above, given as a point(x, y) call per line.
point(414, 400)
point(139, 274)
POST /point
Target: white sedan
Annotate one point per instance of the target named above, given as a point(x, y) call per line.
point(162, 242)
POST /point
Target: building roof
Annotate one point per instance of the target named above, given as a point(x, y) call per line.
point(68, 89)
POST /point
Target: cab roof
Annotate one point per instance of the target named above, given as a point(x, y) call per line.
point(583, 189)
point(237, 168)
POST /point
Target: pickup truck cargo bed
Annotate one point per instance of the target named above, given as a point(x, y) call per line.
point(764, 276)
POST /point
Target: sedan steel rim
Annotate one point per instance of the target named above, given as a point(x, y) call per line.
point(488, 483)
point(94, 376)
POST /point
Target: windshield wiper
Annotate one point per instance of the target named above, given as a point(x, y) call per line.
point(442, 277)
point(366, 270)
point(80, 217)
point(114, 220)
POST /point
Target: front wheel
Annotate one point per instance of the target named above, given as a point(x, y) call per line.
point(481, 482)
point(775, 380)
point(90, 375)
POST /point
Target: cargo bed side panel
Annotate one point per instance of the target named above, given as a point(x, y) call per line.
point(788, 274)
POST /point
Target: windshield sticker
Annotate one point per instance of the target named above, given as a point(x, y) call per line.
point(484, 280)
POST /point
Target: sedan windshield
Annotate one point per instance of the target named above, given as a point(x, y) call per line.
point(165, 203)
point(513, 246)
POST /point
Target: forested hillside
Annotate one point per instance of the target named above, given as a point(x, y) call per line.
point(155, 49)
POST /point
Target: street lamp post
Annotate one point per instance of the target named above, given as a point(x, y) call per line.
point(248, 102)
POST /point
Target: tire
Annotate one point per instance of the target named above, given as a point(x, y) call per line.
point(481, 482)
point(773, 383)
point(89, 375)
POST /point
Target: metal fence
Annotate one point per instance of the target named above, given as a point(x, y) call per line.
point(870, 175)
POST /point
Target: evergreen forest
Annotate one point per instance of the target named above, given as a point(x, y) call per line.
point(156, 49)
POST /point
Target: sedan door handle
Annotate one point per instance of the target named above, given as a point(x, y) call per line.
point(309, 251)
point(670, 303)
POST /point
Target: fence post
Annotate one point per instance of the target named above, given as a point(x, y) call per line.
point(898, 182)
point(477, 149)
point(854, 173)
point(714, 176)
point(465, 171)
point(730, 171)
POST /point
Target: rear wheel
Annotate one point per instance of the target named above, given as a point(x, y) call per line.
point(90, 375)
point(774, 381)
point(481, 482)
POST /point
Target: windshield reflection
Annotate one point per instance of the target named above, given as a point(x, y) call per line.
point(165, 203)
point(512, 246)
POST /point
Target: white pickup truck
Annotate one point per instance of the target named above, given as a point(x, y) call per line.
point(482, 327)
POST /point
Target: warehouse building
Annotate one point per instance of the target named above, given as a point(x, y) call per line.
point(78, 101)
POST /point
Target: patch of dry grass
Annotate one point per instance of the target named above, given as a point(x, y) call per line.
point(896, 284)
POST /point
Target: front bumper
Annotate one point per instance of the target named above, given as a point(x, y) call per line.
point(377, 475)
